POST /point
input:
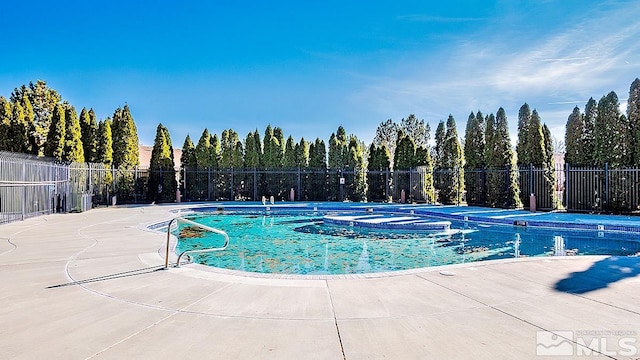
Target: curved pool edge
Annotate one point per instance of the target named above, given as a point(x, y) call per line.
point(209, 272)
point(190, 209)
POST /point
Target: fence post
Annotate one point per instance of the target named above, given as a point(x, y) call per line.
point(184, 183)
point(232, 197)
point(606, 186)
point(566, 186)
point(24, 189)
point(255, 184)
point(209, 183)
point(386, 184)
point(299, 184)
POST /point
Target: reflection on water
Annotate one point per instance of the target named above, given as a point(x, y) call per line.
point(301, 244)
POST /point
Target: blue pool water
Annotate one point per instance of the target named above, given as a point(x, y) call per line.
point(298, 242)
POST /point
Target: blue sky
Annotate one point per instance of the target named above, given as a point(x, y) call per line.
point(309, 67)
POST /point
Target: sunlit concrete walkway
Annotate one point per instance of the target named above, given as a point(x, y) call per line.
point(85, 286)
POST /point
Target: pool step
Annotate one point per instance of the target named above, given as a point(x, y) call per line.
point(395, 222)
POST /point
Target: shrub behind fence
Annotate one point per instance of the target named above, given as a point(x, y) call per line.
point(31, 186)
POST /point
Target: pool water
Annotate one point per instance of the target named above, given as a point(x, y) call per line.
point(298, 242)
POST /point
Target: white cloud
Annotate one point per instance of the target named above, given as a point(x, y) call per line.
point(587, 58)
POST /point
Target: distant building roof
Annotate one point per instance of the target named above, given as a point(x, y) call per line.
point(144, 151)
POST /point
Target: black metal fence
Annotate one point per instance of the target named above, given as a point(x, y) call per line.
point(31, 186)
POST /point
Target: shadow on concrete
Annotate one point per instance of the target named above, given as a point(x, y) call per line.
point(600, 275)
point(109, 277)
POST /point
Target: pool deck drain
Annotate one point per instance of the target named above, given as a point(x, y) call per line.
point(116, 303)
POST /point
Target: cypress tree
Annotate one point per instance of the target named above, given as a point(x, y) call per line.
point(550, 167)
point(522, 145)
point(104, 146)
point(356, 189)
point(610, 133)
point(203, 151)
point(214, 151)
point(317, 186)
point(386, 135)
point(440, 136)
point(572, 138)
point(189, 182)
point(250, 154)
point(162, 180)
point(5, 124)
point(237, 159)
point(633, 116)
point(188, 157)
point(89, 130)
point(54, 146)
point(17, 132)
point(474, 145)
point(405, 152)
point(73, 150)
point(43, 101)
point(502, 185)
point(452, 162)
point(587, 141)
point(416, 129)
point(30, 124)
point(228, 148)
point(125, 139)
point(302, 154)
point(289, 161)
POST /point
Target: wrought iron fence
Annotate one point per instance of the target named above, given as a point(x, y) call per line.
point(31, 186)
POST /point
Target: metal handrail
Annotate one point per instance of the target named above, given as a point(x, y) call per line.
point(214, 230)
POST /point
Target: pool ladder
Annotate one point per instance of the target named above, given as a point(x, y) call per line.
point(174, 221)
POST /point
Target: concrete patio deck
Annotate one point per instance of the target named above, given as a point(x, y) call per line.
point(88, 286)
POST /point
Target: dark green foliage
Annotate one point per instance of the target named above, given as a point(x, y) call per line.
point(189, 163)
point(386, 135)
point(188, 157)
point(405, 152)
point(502, 185)
point(289, 161)
point(273, 149)
point(5, 123)
point(215, 151)
point(317, 184)
point(588, 141)
point(302, 154)
point(231, 155)
point(474, 142)
point(203, 151)
point(549, 166)
point(54, 146)
point(17, 135)
point(104, 146)
point(452, 163)
point(438, 149)
point(611, 133)
point(73, 150)
point(530, 147)
point(162, 183)
point(573, 139)
point(633, 116)
point(89, 130)
point(378, 165)
point(356, 186)
point(253, 150)
point(125, 139)
point(474, 148)
point(417, 130)
point(43, 101)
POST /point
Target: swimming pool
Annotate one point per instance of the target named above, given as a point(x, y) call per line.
point(300, 241)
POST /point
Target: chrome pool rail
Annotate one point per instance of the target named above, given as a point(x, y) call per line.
point(174, 221)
